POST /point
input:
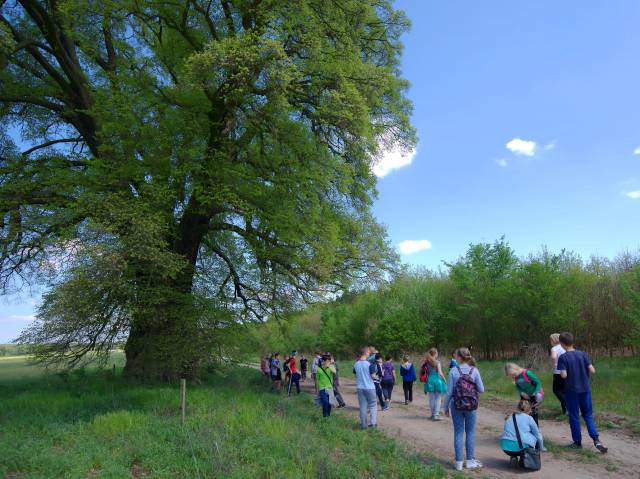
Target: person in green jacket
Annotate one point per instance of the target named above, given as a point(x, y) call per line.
point(528, 385)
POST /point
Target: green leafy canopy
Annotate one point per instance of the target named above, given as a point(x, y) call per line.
point(223, 149)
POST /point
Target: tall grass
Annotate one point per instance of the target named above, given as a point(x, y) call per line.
point(615, 387)
point(90, 424)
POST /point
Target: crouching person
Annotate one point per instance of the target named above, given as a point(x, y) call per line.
point(520, 433)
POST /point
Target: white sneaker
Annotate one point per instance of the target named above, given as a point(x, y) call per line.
point(457, 465)
point(473, 464)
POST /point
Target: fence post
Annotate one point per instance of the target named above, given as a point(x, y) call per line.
point(114, 370)
point(183, 399)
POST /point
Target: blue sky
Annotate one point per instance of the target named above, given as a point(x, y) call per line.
point(565, 75)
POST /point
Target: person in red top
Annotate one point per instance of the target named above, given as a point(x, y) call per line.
point(295, 375)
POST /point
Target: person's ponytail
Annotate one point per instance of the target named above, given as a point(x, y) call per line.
point(466, 357)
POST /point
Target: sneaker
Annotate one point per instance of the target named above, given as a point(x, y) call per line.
point(436, 418)
point(574, 445)
point(386, 408)
point(473, 464)
point(406, 403)
point(600, 447)
point(457, 465)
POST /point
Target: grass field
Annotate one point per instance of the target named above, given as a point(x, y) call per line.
point(90, 424)
point(615, 387)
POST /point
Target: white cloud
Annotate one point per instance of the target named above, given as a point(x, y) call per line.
point(502, 162)
point(413, 246)
point(550, 146)
point(393, 159)
point(522, 147)
point(637, 151)
point(634, 195)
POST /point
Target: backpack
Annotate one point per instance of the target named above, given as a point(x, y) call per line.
point(465, 392)
point(285, 366)
point(387, 372)
point(526, 378)
point(423, 373)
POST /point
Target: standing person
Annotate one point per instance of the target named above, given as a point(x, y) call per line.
point(287, 373)
point(365, 389)
point(408, 373)
point(314, 370)
point(295, 375)
point(326, 370)
point(528, 385)
point(453, 363)
point(276, 374)
point(436, 384)
point(461, 403)
point(558, 382)
point(303, 367)
point(575, 368)
point(372, 354)
point(528, 430)
point(376, 372)
point(388, 379)
point(336, 387)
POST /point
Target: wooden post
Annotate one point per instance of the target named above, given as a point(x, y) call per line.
point(183, 399)
point(114, 370)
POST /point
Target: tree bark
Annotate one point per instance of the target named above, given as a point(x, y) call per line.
point(165, 342)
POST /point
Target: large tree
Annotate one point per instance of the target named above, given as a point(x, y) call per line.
point(190, 165)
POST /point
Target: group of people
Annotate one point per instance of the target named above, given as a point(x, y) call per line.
point(376, 377)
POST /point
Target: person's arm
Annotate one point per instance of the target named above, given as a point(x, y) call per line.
point(587, 362)
point(478, 379)
point(447, 400)
point(562, 367)
point(441, 373)
point(373, 371)
point(535, 430)
point(536, 381)
point(554, 359)
point(394, 374)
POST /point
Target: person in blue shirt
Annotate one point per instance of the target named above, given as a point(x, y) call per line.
point(453, 363)
point(530, 435)
point(408, 373)
point(575, 368)
point(366, 389)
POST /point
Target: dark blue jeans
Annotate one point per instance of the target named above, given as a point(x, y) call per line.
point(295, 379)
point(387, 388)
point(580, 403)
point(380, 395)
point(326, 405)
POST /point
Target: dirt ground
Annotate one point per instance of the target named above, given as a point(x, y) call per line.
point(410, 424)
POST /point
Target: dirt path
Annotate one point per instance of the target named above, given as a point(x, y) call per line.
point(410, 425)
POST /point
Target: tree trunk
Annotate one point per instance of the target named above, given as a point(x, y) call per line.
point(165, 342)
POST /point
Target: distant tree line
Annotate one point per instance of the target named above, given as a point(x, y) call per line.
point(489, 298)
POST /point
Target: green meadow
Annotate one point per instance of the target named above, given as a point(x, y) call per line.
point(615, 387)
point(90, 423)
